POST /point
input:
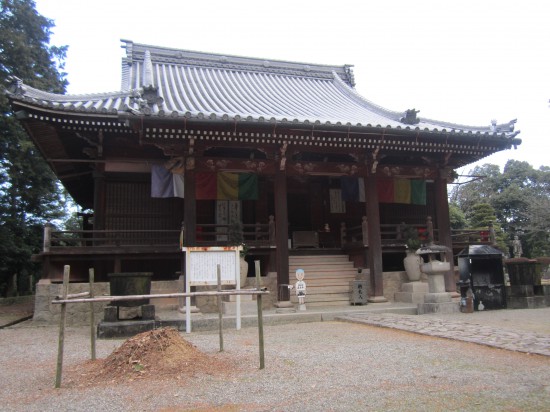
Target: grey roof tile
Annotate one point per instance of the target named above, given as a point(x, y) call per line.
point(205, 85)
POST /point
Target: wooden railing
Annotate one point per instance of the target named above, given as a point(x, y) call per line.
point(393, 234)
point(254, 235)
point(479, 236)
point(55, 240)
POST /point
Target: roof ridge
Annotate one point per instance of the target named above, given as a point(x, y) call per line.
point(160, 54)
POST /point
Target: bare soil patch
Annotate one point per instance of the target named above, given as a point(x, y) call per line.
point(154, 355)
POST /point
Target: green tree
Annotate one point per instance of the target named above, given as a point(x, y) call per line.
point(481, 216)
point(30, 195)
point(457, 217)
point(485, 182)
point(520, 198)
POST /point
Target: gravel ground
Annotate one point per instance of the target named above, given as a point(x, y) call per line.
point(323, 366)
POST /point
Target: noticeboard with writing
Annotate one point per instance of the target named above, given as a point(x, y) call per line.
point(202, 266)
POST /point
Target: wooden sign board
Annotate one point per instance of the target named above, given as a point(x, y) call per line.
point(202, 265)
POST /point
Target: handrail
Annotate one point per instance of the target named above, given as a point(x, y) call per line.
point(255, 235)
point(392, 234)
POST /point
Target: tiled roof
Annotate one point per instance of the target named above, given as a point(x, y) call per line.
point(163, 82)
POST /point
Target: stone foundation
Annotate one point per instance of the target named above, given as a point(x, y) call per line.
point(444, 307)
point(412, 292)
point(209, 304)
point(79, 313)
point(392, 284)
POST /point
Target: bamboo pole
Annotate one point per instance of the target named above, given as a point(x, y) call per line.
point(61, 342)
point(78, 295)
point(220, 308)
point(107, 298)
point(92, 317)
point(260, 315)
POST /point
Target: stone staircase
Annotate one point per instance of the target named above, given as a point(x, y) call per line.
point(327, 279)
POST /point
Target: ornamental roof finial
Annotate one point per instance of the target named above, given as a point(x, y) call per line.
point(410, 117)
point(147, 70)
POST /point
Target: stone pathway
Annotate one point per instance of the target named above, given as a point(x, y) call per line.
point(514, 340)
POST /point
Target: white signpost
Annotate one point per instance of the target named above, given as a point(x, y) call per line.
point(201, 265)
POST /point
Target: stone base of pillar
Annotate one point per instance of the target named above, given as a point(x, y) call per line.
point(192, 309)
point(412, 292)
point(526, 302)
point(377, 299)
point(442, 297)
point(447, 307)
point(284, 306)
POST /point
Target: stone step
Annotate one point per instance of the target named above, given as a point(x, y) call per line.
point(322, 269)
point(320, 297)
point(337, 281)
point(318, 262)
point(307, 259)
point(322, 289)
point(323, 303)
point(327, 278)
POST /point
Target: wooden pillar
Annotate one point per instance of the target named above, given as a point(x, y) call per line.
point(99, 196)
point(444, 227)
point(281, 233)
point(375, 243)
point(190, 208)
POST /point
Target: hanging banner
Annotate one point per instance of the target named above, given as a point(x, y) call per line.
point(404, 191)
point(164, 183)
point(227, 186)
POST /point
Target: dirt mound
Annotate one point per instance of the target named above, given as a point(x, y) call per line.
point(160, 353)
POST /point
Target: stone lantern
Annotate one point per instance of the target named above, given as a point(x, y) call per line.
point(437, 300)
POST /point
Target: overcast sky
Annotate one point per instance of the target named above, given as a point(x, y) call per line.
point(466, 62)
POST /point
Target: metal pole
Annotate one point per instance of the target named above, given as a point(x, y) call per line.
point(92, 315)
point(220, 309)
point(61, 341)
point(260, 315)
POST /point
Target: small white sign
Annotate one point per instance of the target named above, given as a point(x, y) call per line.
point(202, 265)
point(201, 268)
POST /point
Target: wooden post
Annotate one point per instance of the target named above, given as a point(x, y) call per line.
point(61, 341)
point(343, 234)
point(47, 237)
point(271, 230)
point(444, 226)
point(92, 315)
point(365, 230)
point(99, 198)
point(190, 205)
point(375, 242)
point(260, 315)
point(281, 238)
point(220, 309)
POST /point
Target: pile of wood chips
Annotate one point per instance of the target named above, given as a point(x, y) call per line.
point(157, 354)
